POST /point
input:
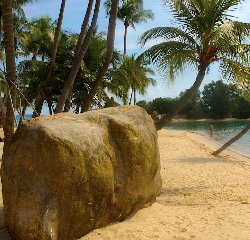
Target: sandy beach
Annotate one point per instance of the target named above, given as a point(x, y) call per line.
point(202, 197)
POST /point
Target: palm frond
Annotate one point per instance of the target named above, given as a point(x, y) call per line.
point(235, 71)
point(167, 33)
point(172, 57)
point(236, 31)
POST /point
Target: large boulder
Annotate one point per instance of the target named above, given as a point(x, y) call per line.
point(65, 175)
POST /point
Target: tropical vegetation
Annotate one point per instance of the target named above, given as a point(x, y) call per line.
point(45, 65)
point(130, 12)
point(218, 100)
point(205, 34)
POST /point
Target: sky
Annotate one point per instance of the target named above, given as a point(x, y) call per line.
point(74, 14)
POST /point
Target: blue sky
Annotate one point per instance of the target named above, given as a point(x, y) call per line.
point(74, 13)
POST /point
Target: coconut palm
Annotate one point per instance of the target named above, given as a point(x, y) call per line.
point(38, 38)
point(6, 23)
point(57, 35)
point(81, 49)
point(130, 12)
point(16, 5)
point(110, 47)
point(207, 34)
point(132, 75)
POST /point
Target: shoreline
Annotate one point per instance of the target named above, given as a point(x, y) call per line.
point(223, 130)
point(210, 120)
point(214, 145)
point(203, 197)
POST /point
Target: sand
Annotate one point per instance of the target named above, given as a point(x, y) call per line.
point(202, 197)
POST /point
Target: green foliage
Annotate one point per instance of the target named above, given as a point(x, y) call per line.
point(37, 38)
point(218, 100)
point(194, 108)
point(146, 105)
point(131, 12)
point(160, 105)
point(206, 35)
point(131, 75)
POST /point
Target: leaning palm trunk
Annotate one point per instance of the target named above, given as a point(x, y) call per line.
point(84, 27)
point(231, 141)
point(77, 61)
point(183, 101)
point(40, 97)
point(79, 44)
point(11, 69)
point(109, 55)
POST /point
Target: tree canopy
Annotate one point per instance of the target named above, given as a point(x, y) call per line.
point(205, 34)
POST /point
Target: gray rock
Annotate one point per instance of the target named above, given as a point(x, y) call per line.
point(67, 174)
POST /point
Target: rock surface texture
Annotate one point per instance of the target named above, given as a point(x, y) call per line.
point(65, 175)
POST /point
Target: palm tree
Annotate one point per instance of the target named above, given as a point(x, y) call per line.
point(79, 53)
point(132, 75)
point(108, 57)
point(38, 38)
point(17, 7)
point(207, 35)
point(130, 12)
point(6, 23)
point(245, 92)
point(232, 140)
point(40, 96)
point(10, 68)
point(88, 72)
point(77, 62)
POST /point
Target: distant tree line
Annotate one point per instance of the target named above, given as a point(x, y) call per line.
point(218, 100)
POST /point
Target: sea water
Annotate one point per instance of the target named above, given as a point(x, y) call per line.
point(222, 131)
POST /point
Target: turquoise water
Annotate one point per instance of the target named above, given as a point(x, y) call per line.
point(27, 116)
point(222, 132)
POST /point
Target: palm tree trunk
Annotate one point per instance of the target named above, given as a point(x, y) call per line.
point(50, 106)
point(77, 61)
point(79, 44)
point(56, 40)
point(11, 69)
point(109, 54)
point(1, 26)
point(40, 97)
point(9, 124)
point(131, 96)
point(234, 139)
point(23, 112)
point(126, 24)
point(134, 97)
point(183, 101)
point(38, 105)
point(67, 103)
point(2, 112)
point(84, 27)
